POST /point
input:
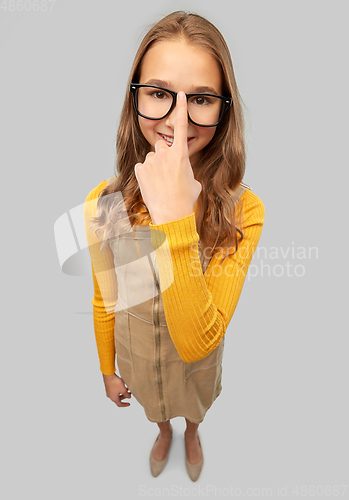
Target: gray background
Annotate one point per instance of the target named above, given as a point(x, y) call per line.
point(281, 420)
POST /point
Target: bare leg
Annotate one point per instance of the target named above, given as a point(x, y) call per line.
point(192, 445)
point(162, 444)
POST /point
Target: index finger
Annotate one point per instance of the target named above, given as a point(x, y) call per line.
point(181, 123)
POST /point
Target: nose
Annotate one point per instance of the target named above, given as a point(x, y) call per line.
point(171, 118)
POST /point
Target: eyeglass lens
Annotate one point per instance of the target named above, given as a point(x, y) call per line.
point(155, 103)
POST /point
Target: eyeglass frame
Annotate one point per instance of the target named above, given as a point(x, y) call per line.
point(134, 86)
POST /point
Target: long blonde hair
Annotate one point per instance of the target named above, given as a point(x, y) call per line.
point(222, 163)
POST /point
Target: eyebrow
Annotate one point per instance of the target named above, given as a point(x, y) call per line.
point(202, 89)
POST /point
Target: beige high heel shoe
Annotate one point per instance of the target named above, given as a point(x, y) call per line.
point(194, 470)
point(156, 466)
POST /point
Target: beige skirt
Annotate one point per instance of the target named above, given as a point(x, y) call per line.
point(147, 359)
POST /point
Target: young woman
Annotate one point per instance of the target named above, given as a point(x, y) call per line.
point(179, 231)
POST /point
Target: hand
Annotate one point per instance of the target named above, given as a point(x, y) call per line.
point(116, 389)
point(166, 178)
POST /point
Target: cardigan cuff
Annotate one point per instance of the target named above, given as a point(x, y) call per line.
point(180, 233)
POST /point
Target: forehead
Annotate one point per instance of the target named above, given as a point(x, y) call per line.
point(184, 66)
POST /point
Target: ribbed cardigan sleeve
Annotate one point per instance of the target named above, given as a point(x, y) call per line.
point(198, 307)
point(105, 287)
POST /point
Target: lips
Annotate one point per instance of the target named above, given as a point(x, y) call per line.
point(190, 140)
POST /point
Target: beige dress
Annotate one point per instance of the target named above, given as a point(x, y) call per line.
point(147, 359)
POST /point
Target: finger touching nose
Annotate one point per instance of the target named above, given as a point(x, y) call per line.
point(170, 119)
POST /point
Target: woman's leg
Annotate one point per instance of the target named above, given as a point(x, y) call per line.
point(192, 445)
point(162, 444)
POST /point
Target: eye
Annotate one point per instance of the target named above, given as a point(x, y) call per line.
point(159, 94)
point(201, 100)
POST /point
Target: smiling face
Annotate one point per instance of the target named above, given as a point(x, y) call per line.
point(182, 67)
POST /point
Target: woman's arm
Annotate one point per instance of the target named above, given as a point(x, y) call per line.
point(105, 288)
point(199, 307)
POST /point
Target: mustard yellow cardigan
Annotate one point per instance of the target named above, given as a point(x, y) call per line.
point(198, 307)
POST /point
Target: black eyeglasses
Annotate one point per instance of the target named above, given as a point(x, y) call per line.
point(155, 103)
